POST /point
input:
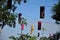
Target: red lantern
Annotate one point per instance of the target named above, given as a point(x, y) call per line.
point(39, 25)
point(22, 26)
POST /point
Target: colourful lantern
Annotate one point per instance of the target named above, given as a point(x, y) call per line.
point(39, 25)
point(19, 17)
point(22, 26)
point(32, 29)
point(42, 10)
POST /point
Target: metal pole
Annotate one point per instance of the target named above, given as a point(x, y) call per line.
point(42, 33)
point(21, 34)
point(0, 33)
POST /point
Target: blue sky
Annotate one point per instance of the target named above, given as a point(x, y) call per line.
point(31, 11)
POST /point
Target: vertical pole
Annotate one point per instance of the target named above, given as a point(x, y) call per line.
point(42, 33)
point(0, 30)
point(0, 33)
point(21, 34)
point(21, 31)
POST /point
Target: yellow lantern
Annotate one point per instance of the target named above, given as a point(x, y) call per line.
point(32, 29)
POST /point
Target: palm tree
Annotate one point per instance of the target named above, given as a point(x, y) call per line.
point(44, 38)
point(23, 37)
point(6, 16)
point(14, 1)
point(33, 38)
point(56, 12)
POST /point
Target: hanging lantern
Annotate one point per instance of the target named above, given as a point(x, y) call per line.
point(32, 29)
point(19, 17)
point(39, 25)
point(22, 26)
point(42, 10)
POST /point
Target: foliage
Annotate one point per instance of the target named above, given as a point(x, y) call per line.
point(8, 16)
point(23, 21)
point(43, 38)
point(33, 38)
point(56, 12)
point(5, 2)
point(23, 37)
point(15, 1)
